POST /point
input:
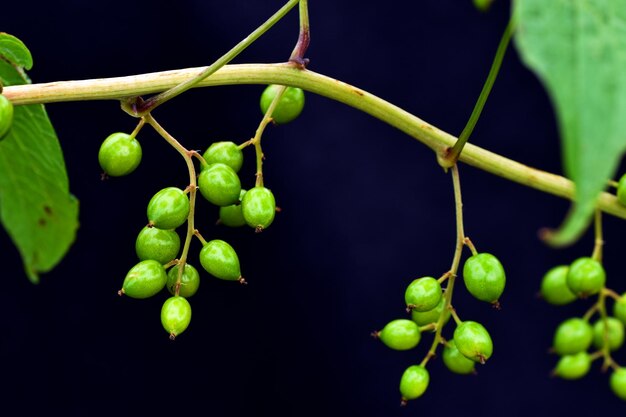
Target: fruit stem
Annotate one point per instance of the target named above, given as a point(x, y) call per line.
point(467, 242)
point(304, 37)
point(451, 155)
point(150, 104)
point(610, 293)
point(141, 123)
point(599, 242)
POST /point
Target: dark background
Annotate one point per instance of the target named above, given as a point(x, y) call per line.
point(366, 210)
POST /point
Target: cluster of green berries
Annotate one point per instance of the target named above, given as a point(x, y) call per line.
point(576, 338)
point(6, 116)
point(158, 245)
point(471, 343)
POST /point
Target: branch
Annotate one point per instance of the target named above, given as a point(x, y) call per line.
point(437, 140)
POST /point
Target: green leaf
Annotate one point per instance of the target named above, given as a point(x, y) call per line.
point(578, 50)
point(14, 51)
point(36, 208)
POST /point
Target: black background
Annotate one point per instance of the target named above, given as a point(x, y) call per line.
point(366, 209)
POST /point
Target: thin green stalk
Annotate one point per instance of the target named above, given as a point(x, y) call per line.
point(156, 101)
point(452, 156)
point(599, 241)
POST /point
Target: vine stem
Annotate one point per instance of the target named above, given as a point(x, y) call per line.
point(285, 74)
point(192, 188)
point(599, 241)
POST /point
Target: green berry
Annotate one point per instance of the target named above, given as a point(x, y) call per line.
point(619, 309)
point(423, 294)
point(400, 334)
point(289, 107)
point(484, 277)
point(473, 341)
point(423, 318)
point(614, 333)
point(232, 216)
point(157, 244)
point(621, 190)
point(455, 361)
point(219, 184)
point(414, 382)
point(219, 259)
point(189, 283)
point(554, 287)
point(258, 207)
point(572, 336)
point(618, 383)
point(573, 366)
point(168, 208)
point(227, 153)
point(119, 154)
point(483, 5)
point(6, 116)
point(586, 277)
point(144, 280)
point(175, 315)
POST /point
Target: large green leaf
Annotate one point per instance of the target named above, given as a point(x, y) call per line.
point(578, 50)
point(36, 208)
point(14, 51)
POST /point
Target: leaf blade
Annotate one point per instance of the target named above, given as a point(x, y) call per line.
point(14, 51)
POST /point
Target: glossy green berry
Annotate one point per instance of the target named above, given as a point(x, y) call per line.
point(572, 336)
point(190, 281)
point(484, 277)
point(573, 366)
point(168, 208)
point(619, 309)
point(219, 259)
point(423, 318)
point(483, 5)
point(414, 382)
point(586, 277)
point(119, 154)
point(618, 383)
point(473, 341)
point(144, 280)
point(614, 333)
point(621, 190)
point(157, 244)
point(455, 361)
point(554, 287)
point(6, 116)
point(259, 208)
point(219, 184)
point(175, 315)
point(289, 107)
point(400, 334)
point(227, 153)
point(232, 216)
point(423, 294)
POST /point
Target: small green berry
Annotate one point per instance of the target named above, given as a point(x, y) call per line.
point(614, 333)
point(157, 244)
point(554, 287)
point(572, 336)
point(473, 341)
point(190, 281)
point(423, 318)
point(232, 216)
point(414, 382)
point(144, 280)
point(484, 277)
point(6, 116)
point(258, 208)
point(621, 190)
point(168, 208)
point(227, 153)
point(455, 361)
point(119, 154)
point(219, 259)
point(483, 5)
point(289, 107)
point(175, 315)
point(573, 366)
point(423, 294)
point(586, 277)
point(618, 383)
point(400, 334)
point(219, 184)
point(619, 309)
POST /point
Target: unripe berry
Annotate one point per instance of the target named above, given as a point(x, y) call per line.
point(554, 287)
point(586, 277)
point(431, 316)
point(189, 283)
point(484, 277)
point(619, 309)
point(414, 382)
point(455, 361)
point(618, 383)
point(400, 334)
point(573, 366)
point(219, 184)
point(232, 216)
point(227, 153)
point(144, 280)
point(168, 208)
point(157, 244)
point(572, 336)
point(473, 341)
point(175, 315)
point(423, 294)
point(6, 116)
point(614, 333)
point(219, 259)
point(258, 208)
point(289, 107)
